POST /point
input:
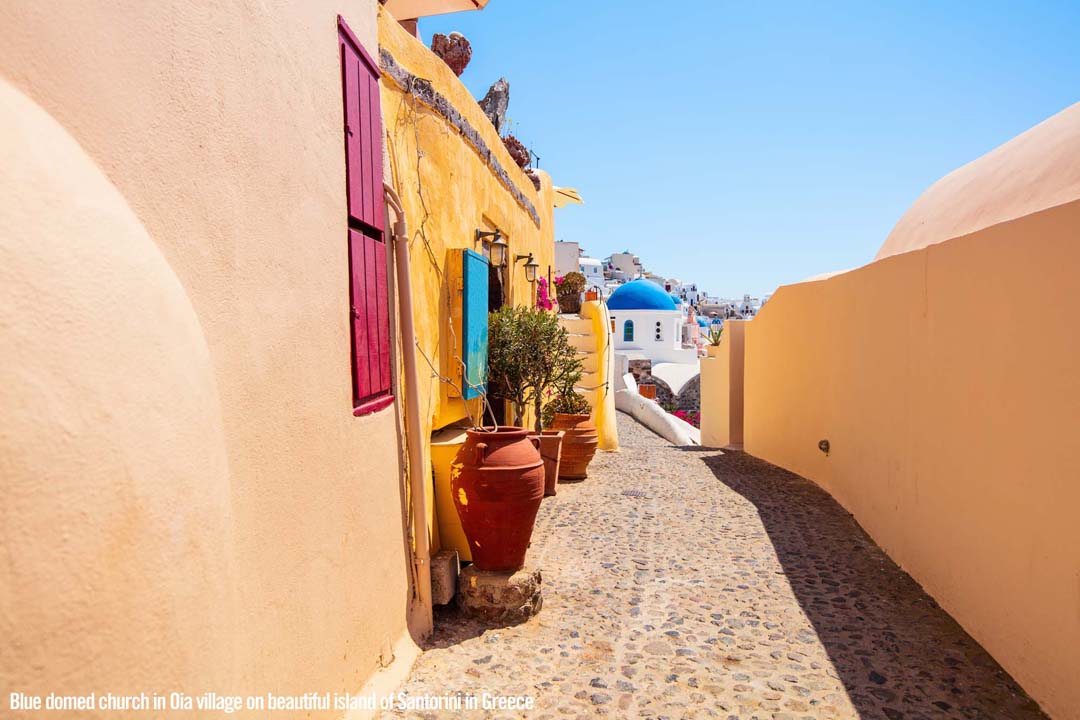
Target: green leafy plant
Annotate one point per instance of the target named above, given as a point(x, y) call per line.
point(570, 403)
point(715, 334)
point(572, 283)
point(529, 355)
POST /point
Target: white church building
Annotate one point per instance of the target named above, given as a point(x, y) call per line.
point(647, 322)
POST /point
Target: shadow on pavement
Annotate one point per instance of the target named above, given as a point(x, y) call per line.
point(897, 652)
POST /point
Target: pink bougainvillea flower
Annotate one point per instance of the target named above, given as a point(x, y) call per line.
point(543, 300)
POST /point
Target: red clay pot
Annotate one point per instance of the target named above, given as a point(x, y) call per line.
point(497, 493)
point(550, 451)
point(579, 445)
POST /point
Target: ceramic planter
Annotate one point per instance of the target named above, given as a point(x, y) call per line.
point(550, 451)
point(647, 391)
point(712, 350)
point(592, 295)
point(579, 445)
point(497, 493)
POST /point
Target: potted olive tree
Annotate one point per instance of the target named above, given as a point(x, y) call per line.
point(529, 355)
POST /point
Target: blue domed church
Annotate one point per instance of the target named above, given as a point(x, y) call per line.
point(646, 320)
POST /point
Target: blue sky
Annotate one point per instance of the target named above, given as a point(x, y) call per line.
point(748, 145)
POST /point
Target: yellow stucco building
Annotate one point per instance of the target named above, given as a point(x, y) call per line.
point(454, 177)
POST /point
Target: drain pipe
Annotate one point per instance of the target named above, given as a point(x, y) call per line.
point(414, 431)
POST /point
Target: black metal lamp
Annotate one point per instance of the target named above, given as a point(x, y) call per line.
point(497, 246)
point(531, 266)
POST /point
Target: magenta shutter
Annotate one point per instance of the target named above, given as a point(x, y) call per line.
point(358, 292)
point(370, 321)
point(368, 288)
point(363, 132)
point(382, 298)
point(353, 136)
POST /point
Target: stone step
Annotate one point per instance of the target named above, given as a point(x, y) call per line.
point(589, 361)
point(583, 342)
point(576, 325)
point(589, 379)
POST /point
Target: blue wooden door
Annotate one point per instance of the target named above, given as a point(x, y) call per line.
point(474, 322)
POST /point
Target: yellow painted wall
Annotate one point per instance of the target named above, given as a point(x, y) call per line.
point(448, 191)
point(947, 383)
point(603, 411)
point(188, 501)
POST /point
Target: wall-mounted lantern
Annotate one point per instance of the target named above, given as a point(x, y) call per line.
point(497, 246)
point(531, 266)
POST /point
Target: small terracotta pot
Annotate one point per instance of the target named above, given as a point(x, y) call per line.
point(712, 350)
point(550, 451)
point(647, 391)
point(592, 295)
point(497, 493)
point(579, 445)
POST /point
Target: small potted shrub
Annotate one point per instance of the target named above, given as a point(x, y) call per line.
point(714, 336)
point(529, 355)
point(570, 412)
point(569, 291)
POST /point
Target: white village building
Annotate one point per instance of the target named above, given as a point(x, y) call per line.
point(593, 270)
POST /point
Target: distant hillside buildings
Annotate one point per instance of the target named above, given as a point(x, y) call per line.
point(617, 269)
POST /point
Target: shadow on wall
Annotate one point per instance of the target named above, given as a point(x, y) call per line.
point(897, 653)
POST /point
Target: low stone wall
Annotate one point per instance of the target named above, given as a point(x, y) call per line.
point(687, 400)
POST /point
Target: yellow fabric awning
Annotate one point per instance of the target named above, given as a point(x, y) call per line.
point(567, 196)
point(409, 9)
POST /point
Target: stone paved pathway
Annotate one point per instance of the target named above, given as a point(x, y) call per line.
point(733, 589)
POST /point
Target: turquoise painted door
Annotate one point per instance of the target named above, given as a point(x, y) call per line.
point(474, 322)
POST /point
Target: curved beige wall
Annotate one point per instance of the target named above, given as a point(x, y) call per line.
point(178, 441)
point(116, 553)
point(1034, 171)
point(946, 382)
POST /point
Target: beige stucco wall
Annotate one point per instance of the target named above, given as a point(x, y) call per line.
point(189, 502)
point(716, 397)
point(946, 382)
point(722, 388)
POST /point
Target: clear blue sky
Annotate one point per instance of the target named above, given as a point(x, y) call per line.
point(748, 145)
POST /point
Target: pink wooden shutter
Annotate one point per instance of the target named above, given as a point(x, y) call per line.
point(370, 321)
point(359, 297)
point(363, 132)
point(378, 317)
point(368, 288)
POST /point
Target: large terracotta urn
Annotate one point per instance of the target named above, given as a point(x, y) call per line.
point(579, 445)
point(497, 493)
